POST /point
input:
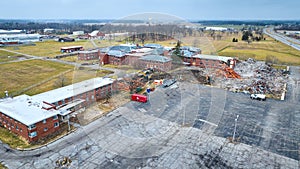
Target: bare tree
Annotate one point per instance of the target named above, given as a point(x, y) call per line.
point(61, 81)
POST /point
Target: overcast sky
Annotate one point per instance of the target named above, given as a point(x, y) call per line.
point(116, 9)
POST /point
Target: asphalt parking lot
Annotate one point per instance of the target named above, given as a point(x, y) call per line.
point(273, 125)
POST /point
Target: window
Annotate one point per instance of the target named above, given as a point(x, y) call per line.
point(44, 121)
point(45, 129)
point(55, 117)
point(33, 134)
point(17, 127)
point(56, 124)
point(31, 127)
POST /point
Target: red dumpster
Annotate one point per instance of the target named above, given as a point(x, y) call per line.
point(139, 98)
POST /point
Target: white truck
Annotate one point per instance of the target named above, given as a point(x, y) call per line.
point(258, 96)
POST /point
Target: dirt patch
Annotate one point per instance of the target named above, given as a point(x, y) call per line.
point(102, 107)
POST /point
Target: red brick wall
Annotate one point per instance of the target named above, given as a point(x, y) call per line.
point(88, 56)
point(103, 59)
point(166, 66)
point(117, 60)
point(92, 96)
point(40, 126)
point(203, 63)
point(101, 92)
point(23, 131)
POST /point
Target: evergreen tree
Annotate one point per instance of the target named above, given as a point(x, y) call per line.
point(177, 48)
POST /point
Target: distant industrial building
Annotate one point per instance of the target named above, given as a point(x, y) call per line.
point(96, 35)
point(216, 28)
point(78, 33)
point(35, 117)
point(9, 39)
point(66, 39)
point(7, 32)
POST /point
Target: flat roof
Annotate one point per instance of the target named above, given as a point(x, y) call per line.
point(71, 47)
point(89, 51)
point(143, 50)
point(213, 57)
point(55, 95)
point(156, 58)
point(26, 109)
point(116, 53)
point(137, 54)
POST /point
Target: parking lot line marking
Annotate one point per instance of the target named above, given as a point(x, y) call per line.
point(213, 124)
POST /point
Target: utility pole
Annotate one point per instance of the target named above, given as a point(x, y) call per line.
point(234, 131)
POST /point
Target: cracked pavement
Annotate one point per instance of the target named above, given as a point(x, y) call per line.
point(184, 126)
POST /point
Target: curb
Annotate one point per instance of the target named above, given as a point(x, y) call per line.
point(44, 145)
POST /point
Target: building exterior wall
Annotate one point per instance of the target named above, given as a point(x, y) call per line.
point(117, 60)
point(23, 130)
point(203, 63)
point(91, 96)
point(103, 59)
point(88, 56)
point(42, 128)
point(164, 66)
point(133, 60)
point(71, 49)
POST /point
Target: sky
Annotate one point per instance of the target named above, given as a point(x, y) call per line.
point(117, 9)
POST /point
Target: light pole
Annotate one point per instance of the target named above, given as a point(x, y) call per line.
point(69, 127)
point(235, 122)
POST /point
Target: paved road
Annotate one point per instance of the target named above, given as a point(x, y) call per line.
point(294, 43)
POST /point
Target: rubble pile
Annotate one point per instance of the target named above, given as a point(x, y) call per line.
point(256, 77)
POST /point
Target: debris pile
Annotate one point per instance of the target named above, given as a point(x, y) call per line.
point(256, 77)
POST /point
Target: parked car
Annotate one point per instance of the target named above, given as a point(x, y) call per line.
point(258, 96)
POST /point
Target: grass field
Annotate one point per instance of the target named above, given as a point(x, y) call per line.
point(7, 56)
point(51, 48)
point(2, 166)
point(12, 140)
point(74, 76)
point(19, 75)
point(257, 50)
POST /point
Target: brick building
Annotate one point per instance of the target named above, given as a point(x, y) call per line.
point(34, 117)
point(116, 57)
point(89, 55)
point(209, 61)
point(79, 94)
point(133, 58)
point(29, 118)
point(156, 61)
point(70, 49)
